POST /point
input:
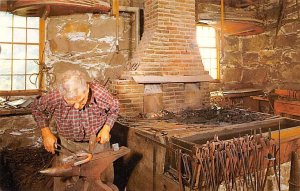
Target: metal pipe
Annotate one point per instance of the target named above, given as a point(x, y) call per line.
point(136, 11)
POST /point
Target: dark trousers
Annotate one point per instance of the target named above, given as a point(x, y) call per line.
point(63, 183)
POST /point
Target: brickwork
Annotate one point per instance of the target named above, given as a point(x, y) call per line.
point(196, 95)
point(130, 96)
point(168, 47)
point(173, 96)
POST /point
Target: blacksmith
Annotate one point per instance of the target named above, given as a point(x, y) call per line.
point(80, 109)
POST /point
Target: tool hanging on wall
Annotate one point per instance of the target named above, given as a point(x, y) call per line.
point(115, 12)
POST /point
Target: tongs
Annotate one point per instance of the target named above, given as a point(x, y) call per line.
point(80, 157)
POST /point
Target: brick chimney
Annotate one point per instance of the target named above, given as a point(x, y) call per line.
point(166, 69)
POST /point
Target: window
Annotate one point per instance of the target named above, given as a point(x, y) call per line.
point(20, 53)
point(207, 41)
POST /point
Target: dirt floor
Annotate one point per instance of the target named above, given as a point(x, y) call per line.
point(22, 156)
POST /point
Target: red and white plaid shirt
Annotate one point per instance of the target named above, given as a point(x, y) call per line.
point(77, 125)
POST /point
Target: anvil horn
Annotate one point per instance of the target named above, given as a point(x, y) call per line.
point(62, 170)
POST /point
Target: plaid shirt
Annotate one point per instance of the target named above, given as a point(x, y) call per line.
point(77, 125)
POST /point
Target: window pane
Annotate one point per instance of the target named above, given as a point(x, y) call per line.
point(32, 67)
point(211, 32)
point(6, 19)
point(17, 59)
point(19, 67)
point(18, 83)
point(32, 36)
point(5, 83)
point(6, 51)
point(33, 22)
point(212, 42)
point(213, 53)
point(5, 34)
point(19, 21)
point(204, 42)
point(19, 35)
point(206, 63)
point(206, 38)
point(32, 51)
point(19, 51)
point(213, 63)
point(5, 67)
point(32, 82)
point(205, 53)
point(213, 73)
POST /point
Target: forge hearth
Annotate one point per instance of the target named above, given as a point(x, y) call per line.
point(167, 59)
point(209, 116)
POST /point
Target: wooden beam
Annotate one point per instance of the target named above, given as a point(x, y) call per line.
point(4, 112)
point(3, 5)
point(20, 93)
point(171, 79)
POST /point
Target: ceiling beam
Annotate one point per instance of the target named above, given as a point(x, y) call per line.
point(3, 5)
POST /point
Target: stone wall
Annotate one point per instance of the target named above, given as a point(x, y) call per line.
point(265, 60)
point(87, 42)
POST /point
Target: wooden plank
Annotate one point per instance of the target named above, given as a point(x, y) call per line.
point(20, 93)
point(250, 90)
point(231, 131)
point(260, 98)
point(3, 5)
point(295, 94)
point(14, 112)
point(293, 132)
point(287, 107)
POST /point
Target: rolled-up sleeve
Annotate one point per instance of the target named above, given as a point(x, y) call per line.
point(43, 107)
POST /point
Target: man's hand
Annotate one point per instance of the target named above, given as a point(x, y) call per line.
point(48, 139)
point(104, 136)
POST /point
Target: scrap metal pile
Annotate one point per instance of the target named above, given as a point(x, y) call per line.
point(20, 169)
point(237, 164)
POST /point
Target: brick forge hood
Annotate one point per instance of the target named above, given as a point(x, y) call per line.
point(166, 68)
point(168, 47)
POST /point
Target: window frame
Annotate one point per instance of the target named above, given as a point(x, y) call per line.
point(218, 43)
point(41, 87)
